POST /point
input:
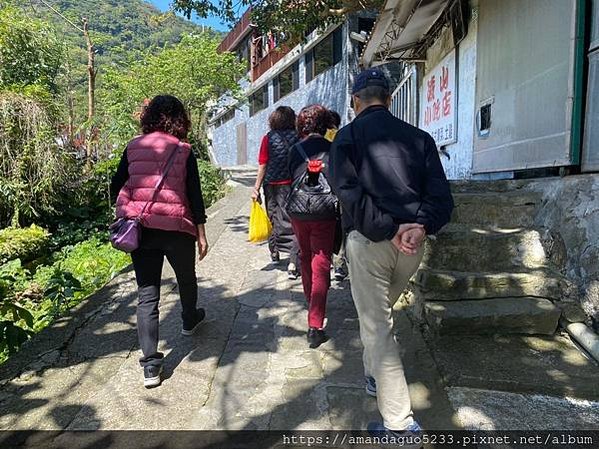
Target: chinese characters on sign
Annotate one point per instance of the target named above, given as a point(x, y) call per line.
point(438, 102)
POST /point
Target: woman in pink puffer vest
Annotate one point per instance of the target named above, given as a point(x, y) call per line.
point(171, 224)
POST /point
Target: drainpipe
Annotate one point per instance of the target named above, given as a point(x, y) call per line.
point(584, 336)
point(578, 87)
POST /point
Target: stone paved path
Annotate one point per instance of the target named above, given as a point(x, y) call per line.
point(248, 368)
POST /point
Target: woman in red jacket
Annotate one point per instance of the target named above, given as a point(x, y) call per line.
point(171, 224)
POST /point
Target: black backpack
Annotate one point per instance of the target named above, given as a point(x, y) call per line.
point(311, 196)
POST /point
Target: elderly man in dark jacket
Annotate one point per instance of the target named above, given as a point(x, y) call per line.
point(393, 192)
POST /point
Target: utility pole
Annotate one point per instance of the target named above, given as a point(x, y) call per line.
point(91, 79)
point(91, 91)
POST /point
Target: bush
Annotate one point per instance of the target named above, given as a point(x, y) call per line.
point(93, 263)
point(23, 243)
point(14, 278)
point(213, 182)
point(77, 272)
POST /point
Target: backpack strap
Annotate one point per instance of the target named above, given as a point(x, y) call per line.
point(298, 146)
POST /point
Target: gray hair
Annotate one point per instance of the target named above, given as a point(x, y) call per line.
point(371, 94)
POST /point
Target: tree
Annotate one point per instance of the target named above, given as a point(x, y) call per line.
point(32, 166)
point(192, 70)
point(289, 19)
point(30, 53)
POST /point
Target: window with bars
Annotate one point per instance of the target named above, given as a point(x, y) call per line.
point(324, 55)
point(226, 117)
point(286, 82)
point(259, 100)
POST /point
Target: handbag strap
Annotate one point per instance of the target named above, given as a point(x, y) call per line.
point(160, 182)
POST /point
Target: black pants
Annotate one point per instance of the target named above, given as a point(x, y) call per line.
point(180, 250)
point(282, 238)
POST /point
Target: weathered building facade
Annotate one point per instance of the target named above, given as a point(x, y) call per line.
point(522, 77)
point(516, 80)
point(317, 71)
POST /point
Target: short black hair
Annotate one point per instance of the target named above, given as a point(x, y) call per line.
point(371, 94)
point(335, 119)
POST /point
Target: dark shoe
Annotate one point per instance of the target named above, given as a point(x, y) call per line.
point(370, 386)
point(316, 337)
point(191, 328)
point(410, 438)
point(275, 257)
point(152, 376)
point(340, 273)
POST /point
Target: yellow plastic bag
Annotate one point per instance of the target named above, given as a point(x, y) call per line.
point(260, 226)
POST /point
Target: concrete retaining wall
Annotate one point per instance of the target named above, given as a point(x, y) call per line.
point(570, 214)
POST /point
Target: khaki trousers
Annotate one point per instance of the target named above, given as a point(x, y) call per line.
point(379, 273)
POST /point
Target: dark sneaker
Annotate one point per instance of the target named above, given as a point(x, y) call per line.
point(316, 337)
point(340, 273)
point(152, 376)
point(191, 328)
point(275, 257)
point(410, 438)
point(370, 386)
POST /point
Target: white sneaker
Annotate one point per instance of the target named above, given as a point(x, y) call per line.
point(292, 273)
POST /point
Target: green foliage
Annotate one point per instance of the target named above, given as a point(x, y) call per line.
point(13, 278)
point(192, 70)
point(140, 53)
point(77, 272)
point(92, 263)
point(213, 183)
point(16, 322)
point(289, 20)
point(121, 31)
point(60, 291)
point(87, 210)
point(23, 243)
point(33, 168)
point(30, 53)
point(118, 27)
point(15, 326)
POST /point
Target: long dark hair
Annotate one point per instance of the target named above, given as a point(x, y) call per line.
point(167, 114)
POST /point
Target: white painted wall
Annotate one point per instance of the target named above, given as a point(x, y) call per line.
point(459, 163)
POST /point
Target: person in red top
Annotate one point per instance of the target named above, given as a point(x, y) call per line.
point(274, 177)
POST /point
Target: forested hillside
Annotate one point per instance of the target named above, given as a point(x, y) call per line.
point(117, 26)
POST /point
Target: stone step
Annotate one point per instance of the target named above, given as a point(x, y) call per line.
point(489, 186)
point(438, 285)
point(480, 250)
point(525, 315)
point(510, 209)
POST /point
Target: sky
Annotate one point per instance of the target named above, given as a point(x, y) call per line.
point(213, 22)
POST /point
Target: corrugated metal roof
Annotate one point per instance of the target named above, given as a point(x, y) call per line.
point(401, 25)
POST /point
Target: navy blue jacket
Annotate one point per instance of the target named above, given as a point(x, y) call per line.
point(386, 172)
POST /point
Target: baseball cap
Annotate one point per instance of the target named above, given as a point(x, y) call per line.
point(369, 78)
